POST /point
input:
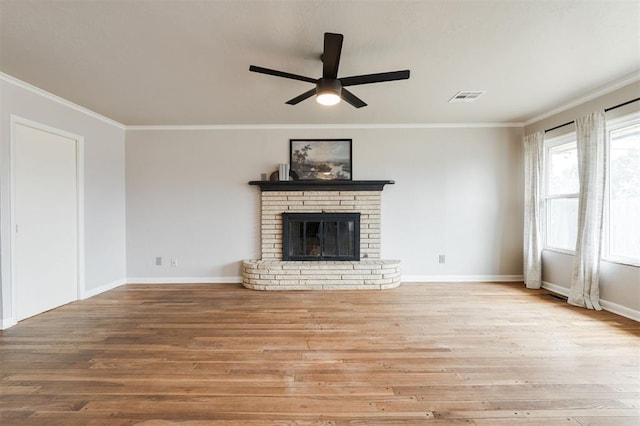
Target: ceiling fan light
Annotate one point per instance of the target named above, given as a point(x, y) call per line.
point(327, 98)
point(328, 91)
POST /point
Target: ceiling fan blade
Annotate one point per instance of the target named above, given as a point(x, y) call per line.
point(352, 99)
point(374, 78)
point(282, 74)
point(331, 55)
point(302, 97)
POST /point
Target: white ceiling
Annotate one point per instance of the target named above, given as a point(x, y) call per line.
point(170, 62)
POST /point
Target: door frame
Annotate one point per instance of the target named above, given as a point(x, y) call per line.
point(80, 273)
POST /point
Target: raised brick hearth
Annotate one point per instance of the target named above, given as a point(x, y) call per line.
point(322, 275)
point(272, 273)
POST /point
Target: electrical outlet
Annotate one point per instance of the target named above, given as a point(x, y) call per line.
point(174, 262)
point(441, 258)
point(158, 261)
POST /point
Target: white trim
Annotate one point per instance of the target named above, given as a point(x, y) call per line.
point(184, 280)
point(325, 126)
point(623, 311)
point(103, 288)
point(50, 96)
point(564, 291)
point(559, 250)
point(565, 142)
point(559, 196)
point(623, 123)
point(17, 120)
point(461, 278)
point(625, 81)
point(80, 213)
point(606, 305)
point(7, 323)
point(620, 260)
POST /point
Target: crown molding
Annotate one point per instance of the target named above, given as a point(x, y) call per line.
point(55, 98)
point(618, 84)
point(325, 126)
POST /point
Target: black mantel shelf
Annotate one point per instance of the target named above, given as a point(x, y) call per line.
point(322, 185)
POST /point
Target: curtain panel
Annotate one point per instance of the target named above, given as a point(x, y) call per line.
point(592, 171)
point(532, 250)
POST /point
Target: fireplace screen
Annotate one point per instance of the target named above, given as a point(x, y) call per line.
point(321, 236)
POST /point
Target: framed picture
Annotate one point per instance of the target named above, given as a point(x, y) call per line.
point(321, 159)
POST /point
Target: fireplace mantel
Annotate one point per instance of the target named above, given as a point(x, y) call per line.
point(322, 185)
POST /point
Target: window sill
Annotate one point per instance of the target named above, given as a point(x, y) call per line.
point(622, 262)
point(630, 263)
point(561, 251)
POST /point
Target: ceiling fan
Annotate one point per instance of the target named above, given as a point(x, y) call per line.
point(329, 88)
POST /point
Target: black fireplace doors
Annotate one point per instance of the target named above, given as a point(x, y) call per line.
point(320, 236)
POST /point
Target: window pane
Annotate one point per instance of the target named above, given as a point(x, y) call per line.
point(562, 168)
point(624, 208)
point(562, 223)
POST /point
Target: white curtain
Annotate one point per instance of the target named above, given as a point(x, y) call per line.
point(533, 152)
point(592, 170)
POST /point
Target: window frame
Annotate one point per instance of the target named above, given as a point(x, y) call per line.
point(549, 144)
point(615, 124)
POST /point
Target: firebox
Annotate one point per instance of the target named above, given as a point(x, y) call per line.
point(320, 236)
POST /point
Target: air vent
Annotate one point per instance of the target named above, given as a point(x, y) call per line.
point(467, 96)
point(556, 296)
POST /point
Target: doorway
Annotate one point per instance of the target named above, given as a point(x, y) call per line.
point(46, 218)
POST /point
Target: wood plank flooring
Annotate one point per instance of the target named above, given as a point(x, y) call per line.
point(432, 354)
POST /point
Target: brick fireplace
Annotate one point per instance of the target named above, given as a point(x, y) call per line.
point(363, 197)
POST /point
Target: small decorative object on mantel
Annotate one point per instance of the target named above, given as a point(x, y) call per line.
point(321, 159)
point(275, 176)
point(283, 171)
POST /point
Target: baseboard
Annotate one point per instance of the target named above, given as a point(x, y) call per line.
point(7, 322)
point(460, 278)
point(555, 288)
point(623, 311)
point(96, 291)
point(161, 280)
point(612, 307)
point(184, 280)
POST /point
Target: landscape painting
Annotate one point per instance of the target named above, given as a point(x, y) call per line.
point(321, 159)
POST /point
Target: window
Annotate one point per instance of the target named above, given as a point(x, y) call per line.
point(561, 193)
point(622, 229)
point(561, 186)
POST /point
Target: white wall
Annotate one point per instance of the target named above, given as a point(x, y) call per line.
point(619, 284)
point(457, 192)
point(104, 188)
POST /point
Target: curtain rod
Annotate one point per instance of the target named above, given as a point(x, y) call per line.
point(606, 110)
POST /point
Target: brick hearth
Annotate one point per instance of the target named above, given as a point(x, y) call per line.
point(272, 273)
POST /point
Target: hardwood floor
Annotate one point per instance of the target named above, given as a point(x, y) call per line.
point(433, 354)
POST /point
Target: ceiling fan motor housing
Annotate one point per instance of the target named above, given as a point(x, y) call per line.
point(329, 85)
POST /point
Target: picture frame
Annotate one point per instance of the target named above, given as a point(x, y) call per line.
point(321, 159)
